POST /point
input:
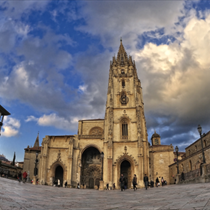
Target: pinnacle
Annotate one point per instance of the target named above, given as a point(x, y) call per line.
point(36, 144)
point(121, 48)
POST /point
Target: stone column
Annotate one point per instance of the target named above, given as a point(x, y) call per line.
point(177, 178)
point(204, 170)
point(34, 180)
point(110, 172)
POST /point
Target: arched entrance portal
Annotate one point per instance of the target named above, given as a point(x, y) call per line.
point(125, 169)
point(59, 174)
point(91, 167)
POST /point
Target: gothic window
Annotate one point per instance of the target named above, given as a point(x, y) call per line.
point(123, 83)
point(190, 165)
point(156, 141)
point(124, 130)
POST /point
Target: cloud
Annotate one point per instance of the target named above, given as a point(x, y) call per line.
point(15, 9)
point(175, 78)
point(10, 127)
point(55, 121)
point(31, 118)
point(110, 20)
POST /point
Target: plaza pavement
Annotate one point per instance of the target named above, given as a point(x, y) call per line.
point(15, 195)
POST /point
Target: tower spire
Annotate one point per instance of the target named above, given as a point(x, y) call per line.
point(36, 144)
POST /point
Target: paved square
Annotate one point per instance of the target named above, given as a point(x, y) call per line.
point(15, 195)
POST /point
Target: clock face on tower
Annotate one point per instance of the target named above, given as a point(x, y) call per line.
point(156, 141)
point(124, 99)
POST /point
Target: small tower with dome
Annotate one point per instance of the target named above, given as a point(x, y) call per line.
point(155, 139)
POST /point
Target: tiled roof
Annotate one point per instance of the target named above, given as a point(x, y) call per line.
point(33, 148)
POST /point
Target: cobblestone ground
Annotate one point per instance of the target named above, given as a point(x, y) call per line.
point(15, 195)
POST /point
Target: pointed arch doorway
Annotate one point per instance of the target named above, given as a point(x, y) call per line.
point(125, 169)
point(59, 174)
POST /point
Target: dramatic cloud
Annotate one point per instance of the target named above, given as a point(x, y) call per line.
point(175, 79)
point(10, 127)
point(112, 19)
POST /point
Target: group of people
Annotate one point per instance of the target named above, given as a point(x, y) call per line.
point(123, 183)
point(22, 177)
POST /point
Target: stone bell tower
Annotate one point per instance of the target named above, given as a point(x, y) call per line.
point(125, 133)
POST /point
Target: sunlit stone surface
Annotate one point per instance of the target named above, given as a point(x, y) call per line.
point(14, 195)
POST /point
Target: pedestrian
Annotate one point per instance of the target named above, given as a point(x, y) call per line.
point(24, 176)
point(134, 182)
point(122, 181)
point(146, 181)
point(78, 187)
point(19, 176)
point(59, 183)
point(162, 180)
point(65, 184)
point(157, 181)
point(151, 183)
point(107, 186)
point(114, 186)
point(182, 176)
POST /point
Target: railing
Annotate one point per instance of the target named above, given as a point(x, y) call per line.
point(90, 136)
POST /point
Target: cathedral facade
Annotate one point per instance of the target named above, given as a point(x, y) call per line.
point(121, 136)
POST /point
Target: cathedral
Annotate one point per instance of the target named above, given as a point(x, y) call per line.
point(105, 148)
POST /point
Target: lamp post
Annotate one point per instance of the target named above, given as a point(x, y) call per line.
point(3, 112)
point(177, 154)
point(102, 157)
point(201, 135)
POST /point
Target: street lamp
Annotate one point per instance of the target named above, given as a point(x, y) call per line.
point(36, 161)
point(3, 112)
point(102, 157)
point(177, 153)
point(201, 135)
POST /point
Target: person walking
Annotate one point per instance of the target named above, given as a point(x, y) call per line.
point(122, 181)
point(134, 182)
point(24, 176)
point(78, 186)
point(59, 183)
point(162, 180)
point(19, 176)
point(146, 181)
point(65, 184)
point(114, 186)
point(107, 186)
point(157, 181)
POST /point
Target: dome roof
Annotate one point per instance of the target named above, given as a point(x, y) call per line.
point(155, 135)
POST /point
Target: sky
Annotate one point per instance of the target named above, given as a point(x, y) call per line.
point(55, 56)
